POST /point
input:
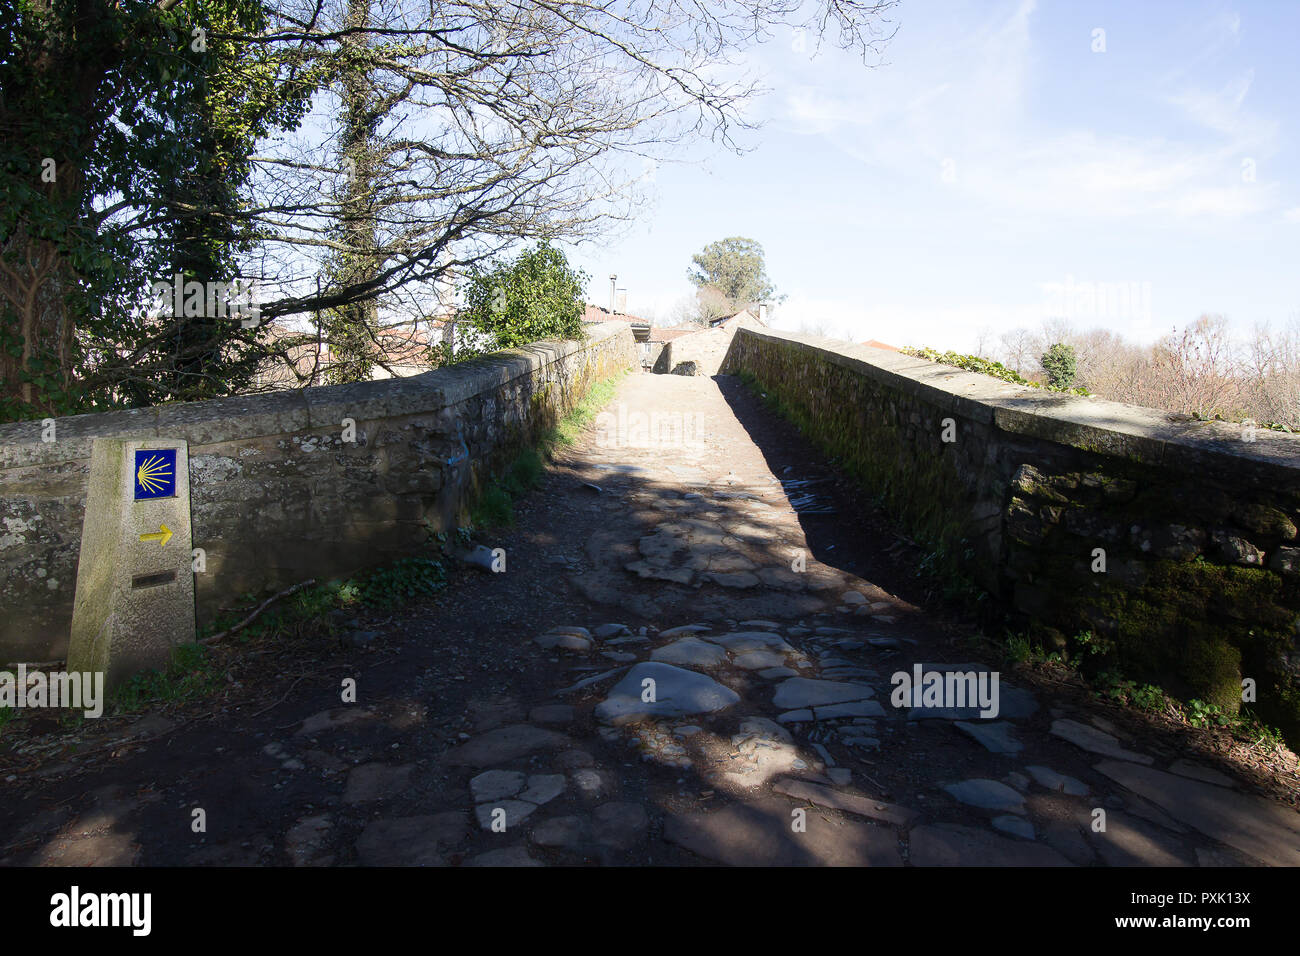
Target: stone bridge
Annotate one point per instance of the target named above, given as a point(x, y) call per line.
point(702, 646)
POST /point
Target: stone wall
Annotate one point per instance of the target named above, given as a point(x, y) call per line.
point(277, 495)
point(1196, 523)
point(707, 348)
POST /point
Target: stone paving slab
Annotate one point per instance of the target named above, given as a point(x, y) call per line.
point(848, 802)
point(798, 692)
point(678, 692)
point(411, 841)
point(1253, 825)
point(690, 652)
point(1095, 741)
point(759, 833)
point(505, 743)
point(1128, 841)
point(951, 845)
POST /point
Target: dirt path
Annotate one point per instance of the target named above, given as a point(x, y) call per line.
point(694, 541)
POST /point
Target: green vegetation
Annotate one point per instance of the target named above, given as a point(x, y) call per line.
point(122, 106)
point(534, 296)
point(1148, 698)
point(1195, 626)
point(404, 580)
point(735, 268)
point(190, 675)
point(313, 612)
point(494, 506)
point(1244, 419)
point(1205, 625)
point(194, 671)
point(301, 613)
point(973, 363)
point(1061, 366)
point(1019, 649)
point(570, 428)
point(869, 453)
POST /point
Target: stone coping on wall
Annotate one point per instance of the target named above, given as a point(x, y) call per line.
point(283, 412)
point(1093, 424)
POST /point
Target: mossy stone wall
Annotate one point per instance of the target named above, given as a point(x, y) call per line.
point(1173, 542)
point(277, 493)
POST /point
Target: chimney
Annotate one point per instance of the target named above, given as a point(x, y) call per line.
point(612, 279)
point(762, 312)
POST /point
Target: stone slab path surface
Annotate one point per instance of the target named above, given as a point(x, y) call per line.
point(687, 662)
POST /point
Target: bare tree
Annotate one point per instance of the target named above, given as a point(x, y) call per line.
point(486, 122)
point(1271, 369)
point(1199, 369)
point(1017, 350)
point(504, 120)
point(1195, 371)
point(1109, 365)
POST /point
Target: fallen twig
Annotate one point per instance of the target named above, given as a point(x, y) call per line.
point(260, 608)
point(281, 700)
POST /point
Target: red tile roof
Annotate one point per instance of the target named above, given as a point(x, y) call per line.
point(595, 313)
point(880, 345)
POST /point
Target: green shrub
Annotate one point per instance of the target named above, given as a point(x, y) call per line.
point(1061, 366)
point(402, 580)
point(532, 297)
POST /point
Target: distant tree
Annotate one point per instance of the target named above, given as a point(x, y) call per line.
point(711, 304)
point(1196, 371)
point(1060, 365)
point(734, 270)
point(1016, 349)
point(534, 296)
point(1272, 374)
point(1200, 369)
point(702, 308)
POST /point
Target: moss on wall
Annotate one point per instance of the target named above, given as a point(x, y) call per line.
point(850, 419)
point(1199, 588)
point(1203, 627)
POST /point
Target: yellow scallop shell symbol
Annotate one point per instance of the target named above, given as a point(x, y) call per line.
point(151, 473)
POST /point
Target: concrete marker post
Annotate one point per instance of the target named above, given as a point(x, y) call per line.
point(134, 600)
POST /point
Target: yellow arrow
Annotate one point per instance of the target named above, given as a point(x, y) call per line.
point(162, 536)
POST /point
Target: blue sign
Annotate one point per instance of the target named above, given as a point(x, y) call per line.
point(155, 473)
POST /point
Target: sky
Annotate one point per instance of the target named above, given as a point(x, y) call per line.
point(1123, 165)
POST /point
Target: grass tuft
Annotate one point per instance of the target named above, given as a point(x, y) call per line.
point(495, 505)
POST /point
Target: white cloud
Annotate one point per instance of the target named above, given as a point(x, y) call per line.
point(1219, 110)
point(960, 106)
